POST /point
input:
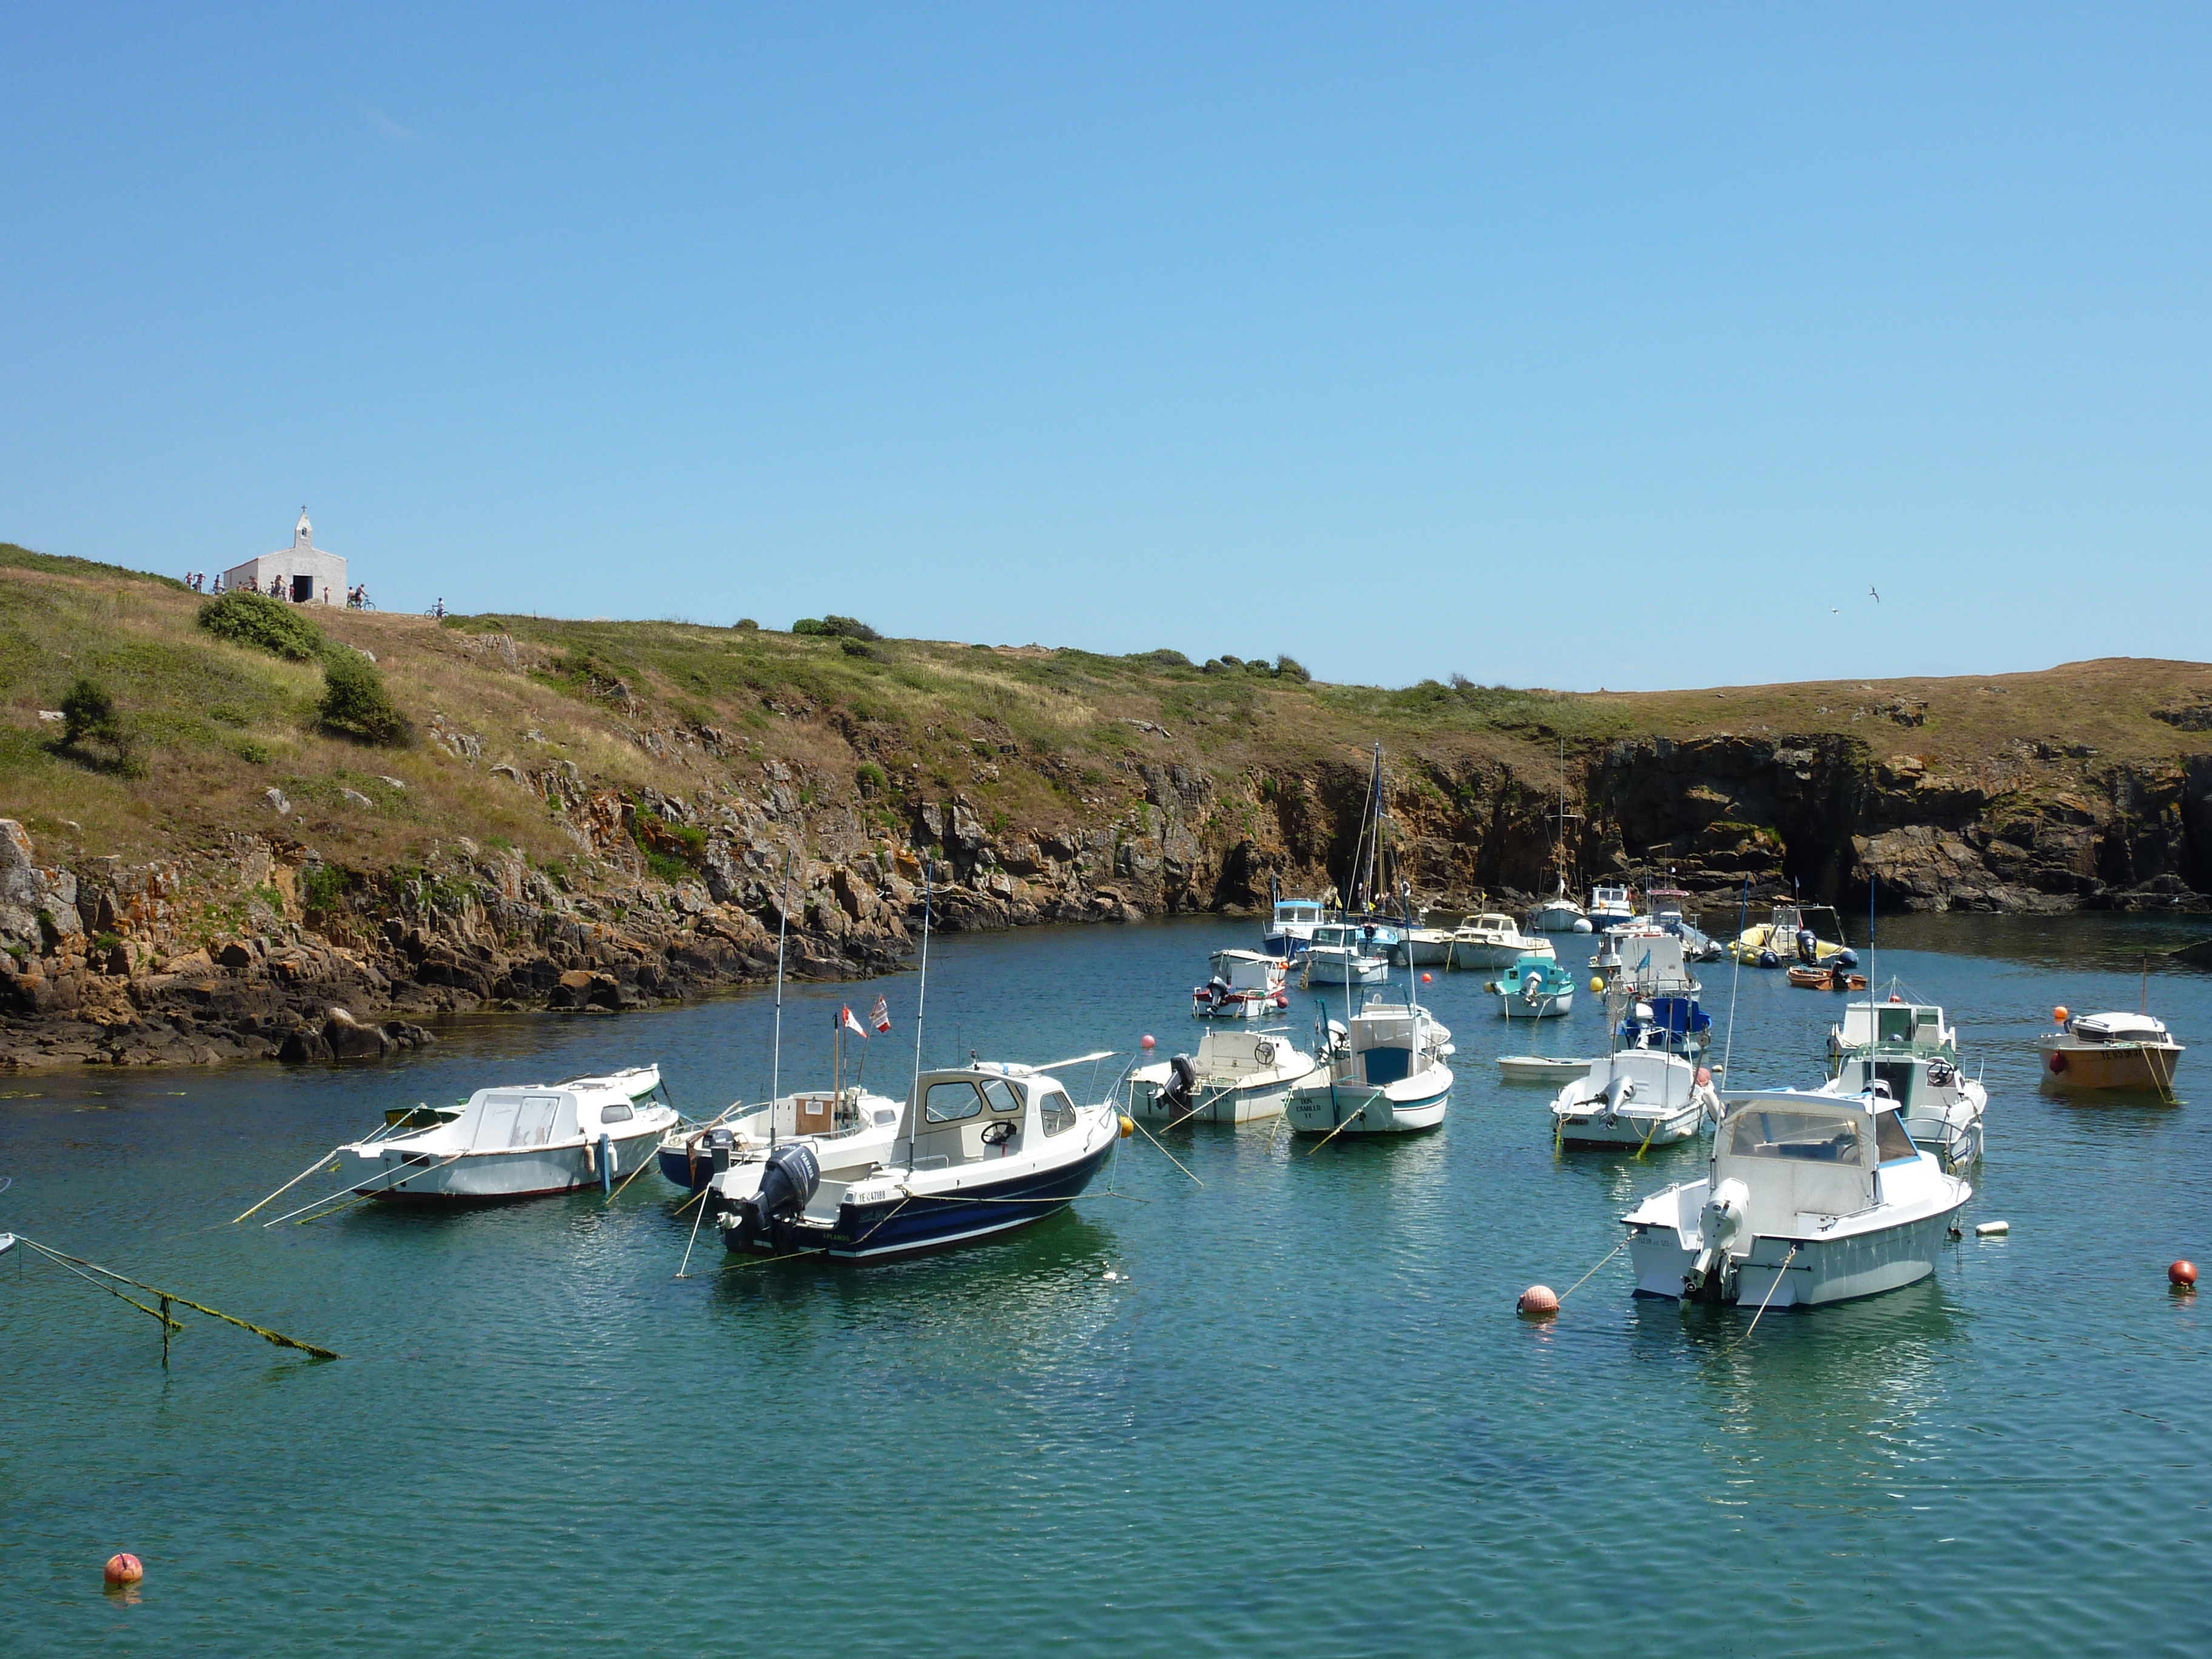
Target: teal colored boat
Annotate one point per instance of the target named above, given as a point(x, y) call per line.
point(1536, 987)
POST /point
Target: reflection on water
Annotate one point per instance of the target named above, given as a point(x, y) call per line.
point(1302, 1419)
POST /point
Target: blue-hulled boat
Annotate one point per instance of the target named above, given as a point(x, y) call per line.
point(1675, 1023)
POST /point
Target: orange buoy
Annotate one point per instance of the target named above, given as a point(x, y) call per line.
point(1704, 1076)
point(2059, 1014)
point(1148, 1040)
point(2183, 1274)
point(1539, 1302)
point(124, 1570)
point(1428, 979)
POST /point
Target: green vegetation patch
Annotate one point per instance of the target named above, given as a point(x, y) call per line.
point(261, 624)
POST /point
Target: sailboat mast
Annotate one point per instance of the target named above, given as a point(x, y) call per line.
point(775, 1051)
point(921, 1002)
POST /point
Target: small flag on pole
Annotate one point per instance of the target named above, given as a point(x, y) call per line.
point(846, 1020)
point(882, 1017)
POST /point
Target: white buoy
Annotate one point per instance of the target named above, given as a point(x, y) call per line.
point(1991, 1229)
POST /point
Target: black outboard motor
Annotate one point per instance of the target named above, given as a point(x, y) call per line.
point(1809, 947)
point(789, 1179)
point(1182, 1077)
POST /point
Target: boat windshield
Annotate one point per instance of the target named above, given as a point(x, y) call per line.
point(1890, 1139)
point(948, 1102)
point(1807, 1137)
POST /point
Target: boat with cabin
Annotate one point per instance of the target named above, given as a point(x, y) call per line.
point(1494, 939)
point(1245, 985)
point(1610, 903)
point(1291, 928)
point(847, 1128)
point(1808, 1197)
point(519, 1140)
point(1908, 1051)
point(981, 1149)
point(1382, 1072)
point(1344, 954)
point(1235, 1077)
point(1534, 987)
point(2110, 1051)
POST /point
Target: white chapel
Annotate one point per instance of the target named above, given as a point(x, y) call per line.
point(301, 573)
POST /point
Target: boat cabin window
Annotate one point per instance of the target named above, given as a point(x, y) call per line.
point(1002, 1095)
point(948, 1102)
point(1056, 1109)
point(1893, 1024)
point(1890, 1141)
point(1808, 1137)
point(616, 1114)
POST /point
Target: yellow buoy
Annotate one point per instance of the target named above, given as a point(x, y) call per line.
point(1128, 1126)
point(1597, 983)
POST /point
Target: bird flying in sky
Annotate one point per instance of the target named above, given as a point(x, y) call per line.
point(1877, 594)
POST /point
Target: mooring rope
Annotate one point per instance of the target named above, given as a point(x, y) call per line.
point(1602, 1260)
point(1338, 1130)
point(288, 1185)
point(261, 1331)
point(1771, 1290)
point(411, 1171)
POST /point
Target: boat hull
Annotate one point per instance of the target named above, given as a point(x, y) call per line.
point(1823, 1271)
point(912, 1223)
point(1550, 1004)
point(1628, 1126)
point(2148, 1066)
point(1356, 1108)
point(1323, 970)
point(1556, 918)
point(1224, 1104)
point(516, 1172)
point(1469, 953)
point(1536, 1069)
point(1238, 1006)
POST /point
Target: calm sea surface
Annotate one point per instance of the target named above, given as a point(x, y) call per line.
point(1304, 1418)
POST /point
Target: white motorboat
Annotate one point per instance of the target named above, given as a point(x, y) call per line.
point(1341, 954)
point(1422, 947)
point(1385, 1073)
point(1493, 939)
point(1635, 1097)
point(1245, 985)
point(1808, 1197)
point(1539, 1068)
point(847, 1128)
point(981, 1149)
point(1236, 1076)
point(1609, 903)
point(520, 1139)
point(1910, 1052)
point(1292, 927)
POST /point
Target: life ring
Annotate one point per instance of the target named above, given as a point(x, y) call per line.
point(1264, 1052)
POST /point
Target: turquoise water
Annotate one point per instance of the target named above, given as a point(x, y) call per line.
point(1304, 1420)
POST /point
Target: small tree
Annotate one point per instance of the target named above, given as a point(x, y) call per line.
point(89, 715)
point(354, 702)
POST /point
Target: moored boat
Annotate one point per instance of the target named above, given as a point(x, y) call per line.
point(1831, 976)
point(519, 1140)
point(1245, 985)
point(1342, 954)
point(1609, 903)
point(1791, 933)
point(1559, 914)
point(1494, 939)
point(1291, 928)
point(2109, 1051)
point(1534, 987)
point(1635, 1097)
point(1235, 1077)
point(846, 1128)
point(1807, 1198)
point(1382, 1073)
point(1908, 1053)
point(1541, 1069)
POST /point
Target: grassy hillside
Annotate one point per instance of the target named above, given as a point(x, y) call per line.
point(1029, 735)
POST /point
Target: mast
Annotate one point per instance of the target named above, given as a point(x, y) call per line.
point(921, 1002)
point(775, 1053)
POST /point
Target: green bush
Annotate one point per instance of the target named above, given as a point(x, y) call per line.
point(88, 712)
point(354, 702)
point(747, 625)
point(808, 625)
point(850, 627)
point(323, 885)
point(261, 624)
point(253, 751)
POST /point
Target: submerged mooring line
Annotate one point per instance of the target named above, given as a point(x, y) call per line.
point(73, 1263)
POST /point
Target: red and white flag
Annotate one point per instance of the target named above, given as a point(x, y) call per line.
point(882, 1017)
point(846, 1019)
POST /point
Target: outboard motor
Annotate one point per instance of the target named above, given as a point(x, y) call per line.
point(1532, 984)
point(1808, 946)
point(1711, 1277)
point(1182, 1077)
point(788, 1178)
point(1617, 1094)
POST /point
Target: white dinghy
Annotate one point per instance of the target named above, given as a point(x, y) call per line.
point(1235, 1077)
point(520, 1139)
point(1808, 1197)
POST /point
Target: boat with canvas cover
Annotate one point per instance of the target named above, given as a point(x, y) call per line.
point(981, 1149)
point(2110, 1051)
point(1235, 1077)
point(520, 1140)
point(1807, 1198)
point(1384, 1073)
point(1245, 985)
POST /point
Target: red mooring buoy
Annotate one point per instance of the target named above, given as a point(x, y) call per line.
point(2182, 1275)
point(124, 1570)
point(1539, 1302)
point(1148, 1040)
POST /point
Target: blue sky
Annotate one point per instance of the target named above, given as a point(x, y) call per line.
point(1570, 347)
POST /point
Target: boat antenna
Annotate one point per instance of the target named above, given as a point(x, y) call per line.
point(776, 1052)
point(921, 1002)
point(1742, 911)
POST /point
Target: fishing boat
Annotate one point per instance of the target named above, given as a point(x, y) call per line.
point(1534, 987)
point(1808, 1198)
point(981, 1149)
point(1245, 985)
point(1791, 933)
point(1908, 1051)
point(2109, 1051)
point(1493, 939)
point(1342, 954)
point(1539, 1068)
point(518, 1140)
point(1384, 1073)
point(1609, 903)
point(1291, 928)
point(847, 1129)
point(1236, 1076)
point(1558, 915)
point(1637, 1097)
